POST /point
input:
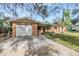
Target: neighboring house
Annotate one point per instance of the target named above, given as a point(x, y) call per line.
point(57, 28)
point(26, 27)
point(75, 27)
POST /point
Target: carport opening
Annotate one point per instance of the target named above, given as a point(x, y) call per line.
point(40, 29)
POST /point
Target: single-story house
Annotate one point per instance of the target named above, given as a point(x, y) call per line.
point(26, 27)
point(29, 27)
point(75, 27)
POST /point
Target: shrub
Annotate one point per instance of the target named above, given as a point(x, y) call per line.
point(48, 33)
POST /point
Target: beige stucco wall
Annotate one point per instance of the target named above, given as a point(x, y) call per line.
point(58, 29)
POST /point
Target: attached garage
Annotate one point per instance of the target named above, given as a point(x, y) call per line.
point(23, 30)
point(26, 27)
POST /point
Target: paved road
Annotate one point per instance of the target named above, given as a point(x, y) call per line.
point(35, 46)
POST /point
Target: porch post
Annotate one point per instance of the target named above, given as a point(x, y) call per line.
point(41, 30)
point(34, 29)
point(13, 30)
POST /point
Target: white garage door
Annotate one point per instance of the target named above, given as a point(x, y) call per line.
point(23, 30)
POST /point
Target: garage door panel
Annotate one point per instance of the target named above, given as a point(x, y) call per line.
point(23, 30)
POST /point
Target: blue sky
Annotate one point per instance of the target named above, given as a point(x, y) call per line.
point(51, 16)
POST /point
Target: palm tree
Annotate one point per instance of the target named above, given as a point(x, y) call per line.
point(66, 20)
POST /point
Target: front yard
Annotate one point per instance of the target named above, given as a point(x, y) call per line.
point(34, 46)
point(69, 39)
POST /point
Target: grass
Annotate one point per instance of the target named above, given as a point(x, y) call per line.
point(72, 33)
point(69, 39)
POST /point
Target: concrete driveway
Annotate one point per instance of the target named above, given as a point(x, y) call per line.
point(35, 46)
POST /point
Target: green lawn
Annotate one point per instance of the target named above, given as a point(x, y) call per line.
point(72, 33)
point(69, 39)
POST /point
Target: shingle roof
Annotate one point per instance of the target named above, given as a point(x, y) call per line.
point(26, 20)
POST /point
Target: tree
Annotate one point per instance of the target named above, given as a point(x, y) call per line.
point(43, 10)
point(4, 26)
point(66, 20)
point(1, 24)
point(39, 9)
